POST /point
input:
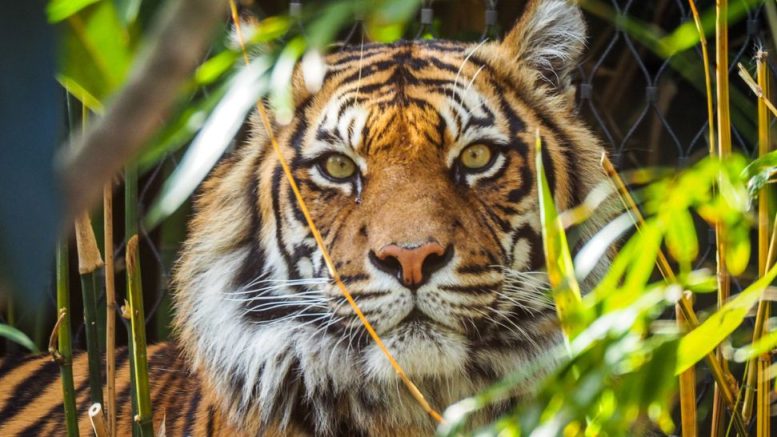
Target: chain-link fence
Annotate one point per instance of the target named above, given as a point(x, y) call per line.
point(648, 111)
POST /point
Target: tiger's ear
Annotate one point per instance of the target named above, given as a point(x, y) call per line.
point(549, 38)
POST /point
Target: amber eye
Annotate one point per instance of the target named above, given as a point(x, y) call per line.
point(476, 156)
point(338, 166)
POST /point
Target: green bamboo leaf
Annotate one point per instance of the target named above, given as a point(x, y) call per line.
point(96, 51)
point(698, 343)
point(561, 271)
point(180, 131)
point(17, 337)
point(58, 10)
point(738, 254)
point(213, 139)
point(681, 236)
point(128, 10)
point(761, 346)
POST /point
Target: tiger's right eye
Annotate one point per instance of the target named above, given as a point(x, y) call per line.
point(338, 167)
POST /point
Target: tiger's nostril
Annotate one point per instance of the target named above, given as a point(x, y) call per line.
point(412, 266)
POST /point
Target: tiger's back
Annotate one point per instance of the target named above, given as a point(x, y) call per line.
point(31, 396)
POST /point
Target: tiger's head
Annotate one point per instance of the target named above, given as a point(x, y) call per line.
point(415, 160)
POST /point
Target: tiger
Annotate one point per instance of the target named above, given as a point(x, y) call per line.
point(416, 160)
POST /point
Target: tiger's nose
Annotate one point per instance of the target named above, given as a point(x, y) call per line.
point(412, 266)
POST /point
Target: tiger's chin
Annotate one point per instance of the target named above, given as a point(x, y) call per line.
point(424, 349)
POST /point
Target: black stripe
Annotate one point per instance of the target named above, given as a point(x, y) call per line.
point(472, 289)
point(191, 413)
point(30, 388)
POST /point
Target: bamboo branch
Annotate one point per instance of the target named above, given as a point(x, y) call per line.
point(724, 150)
point(110, 309)
point(63, 354)
point(763, 240)
point(89, 262)
point(178, 39)
point(138, 324)
point(687, 383)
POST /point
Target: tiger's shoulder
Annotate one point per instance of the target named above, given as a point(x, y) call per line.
point(31, 395)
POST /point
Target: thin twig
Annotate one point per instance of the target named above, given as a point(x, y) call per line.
point(65, 348)
point(414, 391)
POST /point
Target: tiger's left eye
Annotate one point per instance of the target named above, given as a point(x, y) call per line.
point(476, 156)
point(339, 167)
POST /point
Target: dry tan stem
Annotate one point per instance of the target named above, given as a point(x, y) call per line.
point(89, 258)
point(687, 388)
point(110, 304)
point(97, 420)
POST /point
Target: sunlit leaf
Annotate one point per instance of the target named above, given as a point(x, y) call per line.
point(128, 10)
point(597, 247)
point(58, 10)
point(702, 340)
point(681, 236)
point(17, 337)
point(561, 271)
point(763, 345)
point(738, 254)
point(213, 139)
point(182, 129)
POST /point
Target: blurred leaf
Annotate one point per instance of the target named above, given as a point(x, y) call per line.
point(738, 254)
point(759, 171)
point(180, 131)
point(699, 282)
point(558, 260)
point(213, 139)
point(84, 96)
point(597, 247)
point(681, 236)
point(702, 340)
point(58, 10)
point(128, 10)
point(17, 336)
point(95, 55)
point(763, 345)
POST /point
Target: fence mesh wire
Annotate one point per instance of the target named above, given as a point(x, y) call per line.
point(648, 111)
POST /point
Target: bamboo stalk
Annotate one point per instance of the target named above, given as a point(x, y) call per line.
point(138, 324)
point(110, 304)
point(89, 262)
point(98, 420)
point(687, 381)
point(724, 150)
point(63, 354)
point(762, 313)
point(720, 374)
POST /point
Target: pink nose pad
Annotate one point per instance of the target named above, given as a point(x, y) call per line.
point(409, 264)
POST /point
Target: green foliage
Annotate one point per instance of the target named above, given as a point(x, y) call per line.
point(17, 337)
point(619, 369)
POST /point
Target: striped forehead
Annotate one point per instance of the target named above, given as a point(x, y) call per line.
point(412, 87)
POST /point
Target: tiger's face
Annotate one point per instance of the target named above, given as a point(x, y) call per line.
point(416, 163)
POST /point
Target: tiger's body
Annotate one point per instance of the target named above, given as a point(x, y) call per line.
point(416, 161)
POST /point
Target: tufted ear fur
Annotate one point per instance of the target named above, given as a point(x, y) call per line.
point(550, 38)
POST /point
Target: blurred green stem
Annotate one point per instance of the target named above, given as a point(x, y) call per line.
point(63, 353)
